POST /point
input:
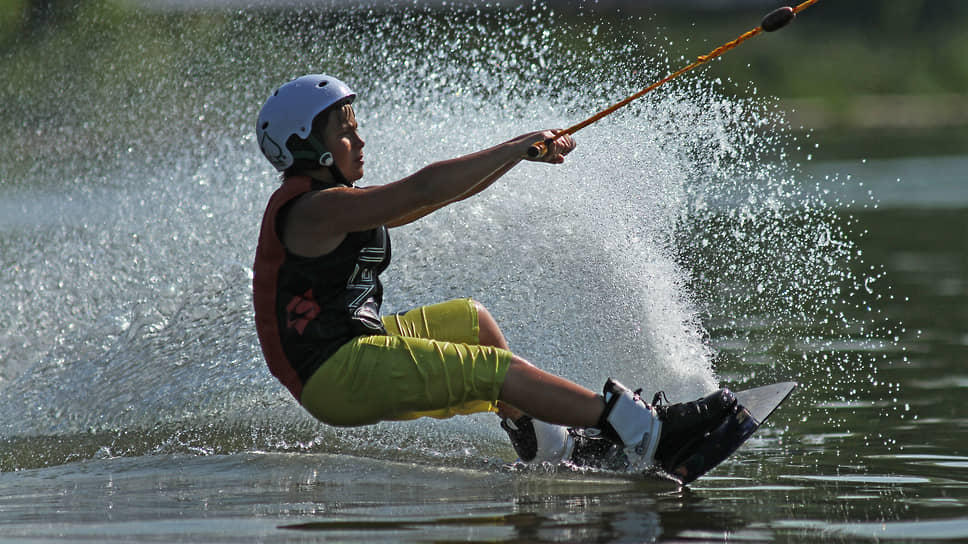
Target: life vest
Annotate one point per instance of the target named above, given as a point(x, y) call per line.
point(307, 307)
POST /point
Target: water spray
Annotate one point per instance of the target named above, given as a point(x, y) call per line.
point(773, 21)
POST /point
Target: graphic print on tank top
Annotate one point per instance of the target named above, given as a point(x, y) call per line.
point(364, 292)
point(301, 310)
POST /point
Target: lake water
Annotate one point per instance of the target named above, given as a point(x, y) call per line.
point(690, 241)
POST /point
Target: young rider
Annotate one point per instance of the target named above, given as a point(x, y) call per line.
point(317, 295)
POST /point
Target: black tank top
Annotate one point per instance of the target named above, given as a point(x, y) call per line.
point(307, 307)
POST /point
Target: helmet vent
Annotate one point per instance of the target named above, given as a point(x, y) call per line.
point(265, 125)
point(322, 83)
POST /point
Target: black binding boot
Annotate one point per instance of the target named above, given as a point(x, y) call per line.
point(686, 423)
point(630, 428)
point(631, 434)
point(523, 439)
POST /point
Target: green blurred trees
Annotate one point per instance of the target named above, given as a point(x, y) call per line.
point(33, 17)
point(837, 49)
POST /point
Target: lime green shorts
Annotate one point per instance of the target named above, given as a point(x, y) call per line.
point(430, 364)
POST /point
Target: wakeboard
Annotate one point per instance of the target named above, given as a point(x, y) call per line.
point(698, 456)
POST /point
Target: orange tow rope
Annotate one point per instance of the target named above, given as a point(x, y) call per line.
point(773, 21)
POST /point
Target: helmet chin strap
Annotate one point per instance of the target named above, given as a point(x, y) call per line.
point(338, 176)
point(324, 158)
point(326, 161)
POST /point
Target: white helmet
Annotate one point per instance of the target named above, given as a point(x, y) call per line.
point(291, 110)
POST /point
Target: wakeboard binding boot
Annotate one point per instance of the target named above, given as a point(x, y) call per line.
point(660, 434)
point(538, 442)
point(631, 434)
point(687, 424)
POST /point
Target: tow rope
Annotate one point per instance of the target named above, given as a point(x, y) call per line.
point(773, 21)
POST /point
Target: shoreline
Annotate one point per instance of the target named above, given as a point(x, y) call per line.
point(875, 111)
